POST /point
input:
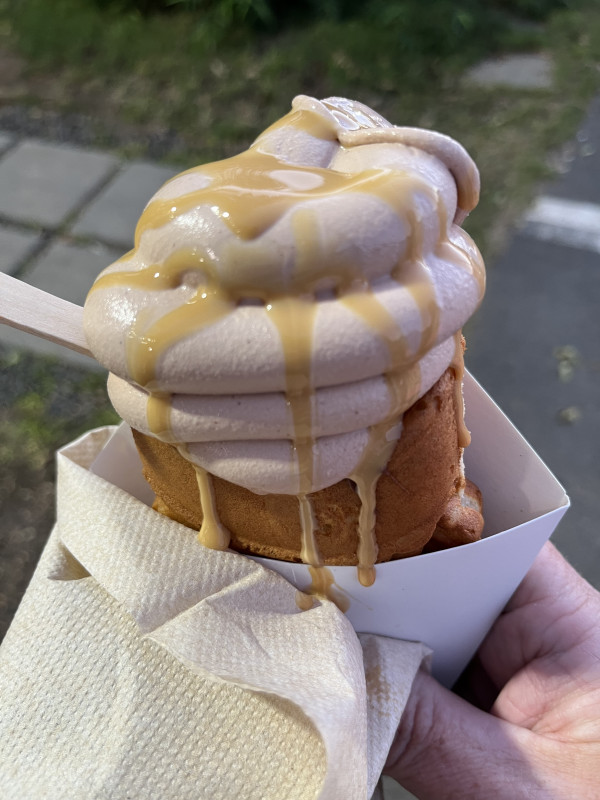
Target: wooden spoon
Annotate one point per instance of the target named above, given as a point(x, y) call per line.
point(32, 310)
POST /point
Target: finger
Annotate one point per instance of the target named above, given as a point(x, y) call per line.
point(545, 578)
point(447, 748)
point(475, 685)
point(553, 611)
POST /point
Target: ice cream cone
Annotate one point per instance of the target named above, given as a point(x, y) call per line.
point(285, 338)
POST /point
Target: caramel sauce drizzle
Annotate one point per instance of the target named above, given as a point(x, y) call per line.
point(249, 193)
point(304, 601)
point(212, 533)
point(403, 384)
point(458, 365)
point(323, 585)
point(294, 318)
point(158, 413)
point(307, 121)
point(365, 476)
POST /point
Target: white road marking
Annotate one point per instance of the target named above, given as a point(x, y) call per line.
point(567, 222)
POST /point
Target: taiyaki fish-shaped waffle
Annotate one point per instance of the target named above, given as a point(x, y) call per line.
point(285, 338)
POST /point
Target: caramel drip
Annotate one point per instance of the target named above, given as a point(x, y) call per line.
point(366, 476)
point(379, 449)
point(304, 601)
point(309, 552)
point(458, 365)
point(310, 122)
point(150, 337)
point(294, 319)
point(415, 275)
point(250, 193)
point(203, 309)
point(403, 380)
point(212, 533)
point(168, 274)
point(323, 585)
point(366, 575)
point(158, 413)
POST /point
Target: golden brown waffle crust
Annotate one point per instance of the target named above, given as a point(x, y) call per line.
point(423, 473)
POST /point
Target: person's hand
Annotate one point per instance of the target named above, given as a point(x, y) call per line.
point(537, 675)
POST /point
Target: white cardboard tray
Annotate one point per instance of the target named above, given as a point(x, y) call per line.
point(448, 599)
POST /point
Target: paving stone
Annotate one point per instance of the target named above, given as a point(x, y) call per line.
point(518, 71)
point(43, 183)
point(67, 270)
point(15, 246)
point(113, 215)
point(5, 141)
point(18, 340)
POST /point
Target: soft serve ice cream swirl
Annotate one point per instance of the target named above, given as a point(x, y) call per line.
point(281, 309)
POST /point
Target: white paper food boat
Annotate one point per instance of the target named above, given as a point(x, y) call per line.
point(447, 599)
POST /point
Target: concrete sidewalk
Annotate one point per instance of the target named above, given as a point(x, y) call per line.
point(65, 214)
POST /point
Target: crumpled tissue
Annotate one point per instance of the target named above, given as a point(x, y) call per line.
point(142, 665)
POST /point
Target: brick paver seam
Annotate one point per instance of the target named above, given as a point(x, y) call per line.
point(49, 234)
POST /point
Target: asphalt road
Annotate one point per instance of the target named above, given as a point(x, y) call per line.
point(534, 343)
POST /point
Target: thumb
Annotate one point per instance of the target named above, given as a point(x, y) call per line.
point(445, 747)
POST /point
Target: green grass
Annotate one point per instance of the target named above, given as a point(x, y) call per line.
point(44, 404)
point(219, 84)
